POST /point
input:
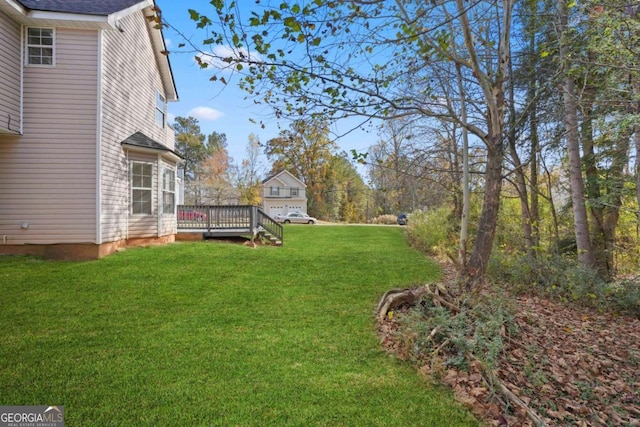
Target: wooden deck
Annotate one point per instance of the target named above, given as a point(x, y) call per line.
point(229, 221)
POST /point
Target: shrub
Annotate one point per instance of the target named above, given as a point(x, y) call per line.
point(430, 232)
point(562, 279)
point(385, 219)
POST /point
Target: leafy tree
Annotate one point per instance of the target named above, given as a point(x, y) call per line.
point(346, 193)
point(248, 177)
point(216, 180)
point(190, 144)
point(205, 165)
point(216, 141)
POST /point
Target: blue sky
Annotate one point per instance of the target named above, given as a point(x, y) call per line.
point(220, 108)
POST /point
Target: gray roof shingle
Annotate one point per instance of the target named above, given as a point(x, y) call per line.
point(141, 140)
point(86, 7)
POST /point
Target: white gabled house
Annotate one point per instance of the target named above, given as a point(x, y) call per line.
point(283, 193)
point(87, 160)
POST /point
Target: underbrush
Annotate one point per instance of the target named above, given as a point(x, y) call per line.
point(552, 276)
point(431, 232)
point(434, 334)
point(563, 280)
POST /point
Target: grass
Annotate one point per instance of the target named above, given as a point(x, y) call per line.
point(218, 334)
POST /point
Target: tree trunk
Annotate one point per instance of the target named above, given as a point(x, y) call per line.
point(535, 186)
point(464, 217)
point(636, 139)
point(581, 225)
point(615, 192)
point(518, 169)
point(593, 190)
point(479, 258)
point(493, 88)
point(532, 92)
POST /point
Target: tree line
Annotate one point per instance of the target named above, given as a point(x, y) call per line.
point(335, 191)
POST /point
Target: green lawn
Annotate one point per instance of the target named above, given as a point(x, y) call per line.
point(221, 334)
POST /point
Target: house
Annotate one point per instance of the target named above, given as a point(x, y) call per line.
point(87, 160)
point(283, 193)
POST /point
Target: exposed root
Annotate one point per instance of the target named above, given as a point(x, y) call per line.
point(395, 298)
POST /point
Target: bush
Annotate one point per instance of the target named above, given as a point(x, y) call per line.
point(562, 279)
point(430, 232)
point(385, 219)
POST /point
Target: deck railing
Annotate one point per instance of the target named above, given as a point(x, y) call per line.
point(270, 225)
point(243, 219)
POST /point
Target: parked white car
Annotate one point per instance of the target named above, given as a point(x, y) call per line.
point(296, 218)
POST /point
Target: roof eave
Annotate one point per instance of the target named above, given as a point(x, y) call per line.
point(160, 49)
point(27, 16)
point(167, 154)
point(24, 16)
point(114, 17)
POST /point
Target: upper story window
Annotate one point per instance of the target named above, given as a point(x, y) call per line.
point(40, 46)
point(295, 192)
point(275, 191)
point(141, 188)
point(161, 109)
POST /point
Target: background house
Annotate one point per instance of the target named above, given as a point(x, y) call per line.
point(87, 160)
point(283, 193)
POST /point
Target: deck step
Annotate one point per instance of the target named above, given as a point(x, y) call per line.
point(272, 239)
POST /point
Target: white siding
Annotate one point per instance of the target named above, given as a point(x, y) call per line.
point(9, 75)
point(130, 79)
point(47, 176)
point(284, 202)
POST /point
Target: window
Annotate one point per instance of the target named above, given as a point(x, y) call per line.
point(295, 192)
point(141, 188)
point(168, 191)
point(161, 109)
point(40, 46)
point(275, 191)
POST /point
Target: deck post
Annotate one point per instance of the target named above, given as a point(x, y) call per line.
point(254, 217)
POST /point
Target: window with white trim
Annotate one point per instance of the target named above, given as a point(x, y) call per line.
point(275, 191)
point(161, 109)
point(295, 191)
point(168, 191)
point(40, 46)
point(141, 188)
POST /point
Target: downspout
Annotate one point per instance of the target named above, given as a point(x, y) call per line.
point(126, 151)
point(22, 61)
point(159, 193)
point(99, 117)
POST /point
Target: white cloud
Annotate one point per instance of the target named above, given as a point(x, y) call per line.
point(206, 113)
point(167, 43)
